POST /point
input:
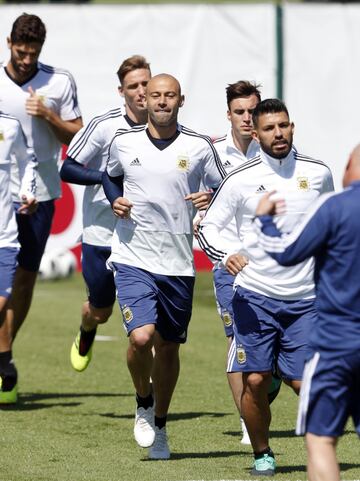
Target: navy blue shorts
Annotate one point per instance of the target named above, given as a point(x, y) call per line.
point(224, 292)
point(147, 298)
point(330, 394)
point(34, 231)
point(8, 263)
point(98, 278)
point(265, 327)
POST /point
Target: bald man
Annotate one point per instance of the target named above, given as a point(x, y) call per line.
point(330, 392)
point(160, 167)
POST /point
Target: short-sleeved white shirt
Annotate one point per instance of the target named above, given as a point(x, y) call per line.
point(57, 89)
point(158, 235)
point(13, 147)
point(90, 147)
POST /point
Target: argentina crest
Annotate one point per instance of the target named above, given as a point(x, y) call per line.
point(183, 162)
point(127, 314)
point(240, 354)
point(303, 183)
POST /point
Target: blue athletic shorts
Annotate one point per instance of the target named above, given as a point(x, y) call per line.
point(330, 393)
point(265, 327)
point(224, 292)
point(8, 263)
point(98, 278)
point(34, 231)
point(147, 298)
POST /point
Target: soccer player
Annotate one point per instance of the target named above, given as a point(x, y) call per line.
point(12, 146)
point(330, 391)
point(273, 306)
point(89, 148)
point(161, 166)
point(234, 149)
point(44, 100)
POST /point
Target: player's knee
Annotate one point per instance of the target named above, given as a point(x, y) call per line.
point(141, 338)
point(257, 381)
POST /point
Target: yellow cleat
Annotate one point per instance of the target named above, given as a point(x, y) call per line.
point(8, 397)
point(78, 362)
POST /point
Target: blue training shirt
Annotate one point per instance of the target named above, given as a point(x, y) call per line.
point(330, 233)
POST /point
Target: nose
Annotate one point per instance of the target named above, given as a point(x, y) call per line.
point(278, 132)
point(247, 116)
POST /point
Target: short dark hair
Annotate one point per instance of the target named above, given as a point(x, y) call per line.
point(268, 106)
point(27, 29)
point(242, 88)
point(132, 63)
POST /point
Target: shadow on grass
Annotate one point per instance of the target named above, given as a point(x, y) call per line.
point(32, 401)
point(207, 455)
point(173, 416)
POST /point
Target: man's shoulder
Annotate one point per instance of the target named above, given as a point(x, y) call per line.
point(55, 73)
point(195, 136)
point(311, 161)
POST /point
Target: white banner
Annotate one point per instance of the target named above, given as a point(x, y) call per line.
point(322, 80)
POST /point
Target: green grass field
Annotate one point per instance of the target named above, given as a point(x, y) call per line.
point(78, 427)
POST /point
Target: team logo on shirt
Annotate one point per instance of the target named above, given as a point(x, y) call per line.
point(2, 138)
point(183, 163)
point(135, 162)
point(303, 183)
point(127, 314)
point(226, 317)
point(240, 354)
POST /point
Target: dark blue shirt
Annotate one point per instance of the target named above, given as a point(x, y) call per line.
point(330, 233)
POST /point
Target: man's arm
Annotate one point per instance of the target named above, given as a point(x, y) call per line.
point(75, 173)
point(63, 129)
point(27, 165)
point(304, 242)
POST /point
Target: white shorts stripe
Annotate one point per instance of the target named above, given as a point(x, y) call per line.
point(308, 374)
point(231, 356)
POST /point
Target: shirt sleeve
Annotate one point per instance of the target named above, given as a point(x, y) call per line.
point(114, 167)
point(304, 242)
point(69, 107)
point(213, 172)
point(27, 165)
point(87, 143)
point(227, 203)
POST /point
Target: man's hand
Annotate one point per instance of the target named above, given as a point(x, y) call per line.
point(236, 263)
point(200, 200)
point(28, 205)
point(122, 207)
point(34, 105)
point(267, 206)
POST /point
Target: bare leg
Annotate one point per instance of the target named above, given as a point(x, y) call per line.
point(322, 462)
point(21, 298)
point(140, 358)
point(92, 316)
point(165, 373)
point(294, 384)
point(5, 340)
point(255, 408)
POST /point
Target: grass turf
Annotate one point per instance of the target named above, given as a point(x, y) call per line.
point(78, 427)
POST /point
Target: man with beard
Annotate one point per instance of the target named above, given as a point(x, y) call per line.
point(273, 306)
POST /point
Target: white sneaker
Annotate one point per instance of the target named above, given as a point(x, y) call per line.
point(160, 448)
point(245, 437)
point(144, 428)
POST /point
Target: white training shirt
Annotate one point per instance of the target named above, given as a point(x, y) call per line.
point(231, 158)
point(57, 89)
point(299, 180)
point(13, 147)
point(90, 147)
point(159, 233)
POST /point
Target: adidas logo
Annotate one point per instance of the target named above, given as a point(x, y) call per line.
point(227, 164)
point(261, 189)
point(135, 162)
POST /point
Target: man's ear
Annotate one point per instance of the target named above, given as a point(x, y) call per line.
point(182, 100)
point(121, 91)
